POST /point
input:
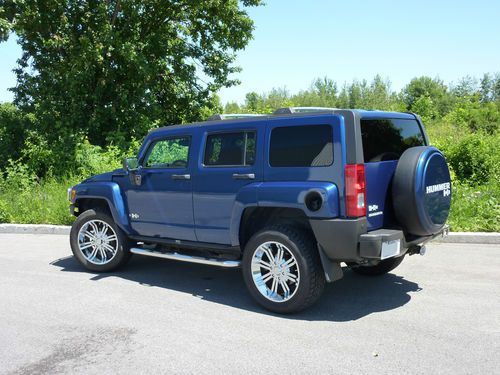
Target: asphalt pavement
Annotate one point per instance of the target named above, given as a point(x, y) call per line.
point(436, 314)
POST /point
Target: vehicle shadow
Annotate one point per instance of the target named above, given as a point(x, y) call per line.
point(350, 298)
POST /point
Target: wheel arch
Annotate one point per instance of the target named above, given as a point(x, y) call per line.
point(104, 196)
point(85, 204)
point(289, 199)
point(255, 218)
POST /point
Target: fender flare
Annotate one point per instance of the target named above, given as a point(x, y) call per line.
point(111, 193)
point(288, 194)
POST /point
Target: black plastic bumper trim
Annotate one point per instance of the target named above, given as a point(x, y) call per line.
point(347, 240)
point(370, 244)
point(339, 237)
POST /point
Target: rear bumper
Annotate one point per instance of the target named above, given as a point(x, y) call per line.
point(347, 240)
point(371, 243)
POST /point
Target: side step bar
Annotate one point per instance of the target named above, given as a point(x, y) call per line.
point(187, 258)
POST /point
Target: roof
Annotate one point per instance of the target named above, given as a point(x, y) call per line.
point(280, 113)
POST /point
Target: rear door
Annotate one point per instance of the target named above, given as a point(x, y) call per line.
point(384, 140)
point(228, 161)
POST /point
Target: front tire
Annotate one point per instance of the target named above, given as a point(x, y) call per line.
point(282, 269)
point(98, 243)
point(379, 269)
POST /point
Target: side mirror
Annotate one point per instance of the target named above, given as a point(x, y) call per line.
point(130, 164)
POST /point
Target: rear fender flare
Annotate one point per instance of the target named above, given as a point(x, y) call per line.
point(283, 195)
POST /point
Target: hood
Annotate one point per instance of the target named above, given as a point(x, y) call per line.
point(103, 177)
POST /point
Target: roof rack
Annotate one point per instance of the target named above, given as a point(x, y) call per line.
point(229, 116)
point(279, 111)
point(290, 110)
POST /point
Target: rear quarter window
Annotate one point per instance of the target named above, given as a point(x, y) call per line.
point(301, 146)
point(387, 139)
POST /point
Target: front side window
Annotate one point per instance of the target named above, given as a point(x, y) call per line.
point(168, 153)
point(230, 149)
point(301, 146)
point(387, 139)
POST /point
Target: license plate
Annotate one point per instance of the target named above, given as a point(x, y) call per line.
point(390, 249)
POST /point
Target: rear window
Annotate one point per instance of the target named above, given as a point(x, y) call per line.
point(301, 146)
point(387, 139)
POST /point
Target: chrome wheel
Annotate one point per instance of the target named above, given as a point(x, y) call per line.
point(97, 241)
point(275, 271)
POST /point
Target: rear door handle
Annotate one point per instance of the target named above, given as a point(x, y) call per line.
point(244, 176)
point(181, 177)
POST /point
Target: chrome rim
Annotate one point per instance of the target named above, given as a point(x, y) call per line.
point(97, 241)
point(275, 271)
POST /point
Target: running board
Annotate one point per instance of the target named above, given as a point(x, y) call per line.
point(186, 258)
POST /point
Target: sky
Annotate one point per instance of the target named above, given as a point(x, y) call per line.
point(297, 41)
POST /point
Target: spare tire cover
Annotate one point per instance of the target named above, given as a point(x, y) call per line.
point(421, 191)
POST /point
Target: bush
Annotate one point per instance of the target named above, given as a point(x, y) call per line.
point(42, 203)
point(26, 199)
point(475, 116)
point(91, 160)
point(475, 209)
point(425, 108)
point(475, 158)
point(14, 126)
point(40, 157)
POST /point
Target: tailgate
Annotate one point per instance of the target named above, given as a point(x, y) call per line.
point(378, 180)
point(384, 140)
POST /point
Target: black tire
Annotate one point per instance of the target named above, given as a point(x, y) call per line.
point(385, 266)
point(303, 247)
point(123, 245)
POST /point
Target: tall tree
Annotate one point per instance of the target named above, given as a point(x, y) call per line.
point(434, 89)
point(487, 83)
point(110, 69)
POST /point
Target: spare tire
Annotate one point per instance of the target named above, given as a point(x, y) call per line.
point(421, 191)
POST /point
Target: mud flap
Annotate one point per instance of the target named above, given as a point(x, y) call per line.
point(333, 271)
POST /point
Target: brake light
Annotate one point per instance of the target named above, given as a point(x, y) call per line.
point(355, 190)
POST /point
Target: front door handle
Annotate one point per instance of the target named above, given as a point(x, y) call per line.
point(181, 177)
point(244, 176)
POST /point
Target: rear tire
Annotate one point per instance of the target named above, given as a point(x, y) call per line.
point(385, 266)
point(98, 243)
point(282, 269)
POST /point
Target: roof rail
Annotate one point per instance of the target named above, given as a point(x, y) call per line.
point(290, 110)
point(229, 116)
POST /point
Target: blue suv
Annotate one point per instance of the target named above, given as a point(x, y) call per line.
point(288, 197)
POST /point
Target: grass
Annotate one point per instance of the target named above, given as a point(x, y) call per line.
point(41, 203)
point(474, 209)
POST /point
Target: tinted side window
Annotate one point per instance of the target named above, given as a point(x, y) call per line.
point(168, 153)
point(301, 146)
point(387, 139)
point(228, 149)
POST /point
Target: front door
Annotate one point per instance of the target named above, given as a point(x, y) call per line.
point(160, 202)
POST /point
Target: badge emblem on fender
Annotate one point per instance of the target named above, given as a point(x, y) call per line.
point(133, 216)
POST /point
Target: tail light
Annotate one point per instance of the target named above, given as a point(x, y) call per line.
point(355, 190)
